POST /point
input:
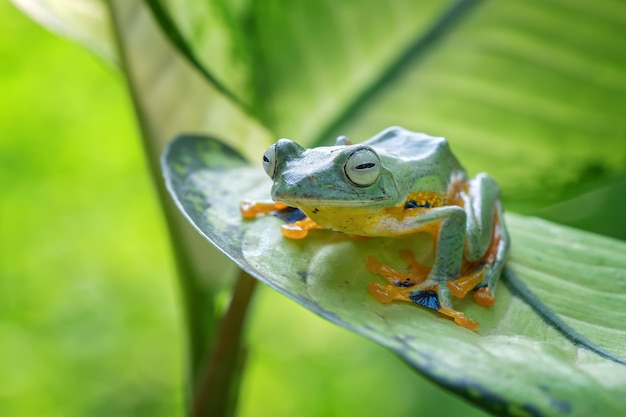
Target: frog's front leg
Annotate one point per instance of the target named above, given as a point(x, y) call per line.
point(251, 209)
point(295, 230)
point(299, 229)
point(448, 226)
point(487, 240)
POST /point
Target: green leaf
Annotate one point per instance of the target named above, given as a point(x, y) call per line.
point(561, 357)
point(86, 22)
point(174, 97)
point(529, 91)
point(298, 64)
point(171, 96)
point(210, 35)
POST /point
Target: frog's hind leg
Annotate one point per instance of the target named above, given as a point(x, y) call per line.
point(493, 260)
point(445, 307)
point(487, 239)
point(415, 287)
point(466, 283)
point(417, 271)
point(432, 296)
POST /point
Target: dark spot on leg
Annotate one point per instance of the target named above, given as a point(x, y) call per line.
point(411, 204)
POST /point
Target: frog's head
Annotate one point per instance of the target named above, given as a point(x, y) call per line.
point(338, 176)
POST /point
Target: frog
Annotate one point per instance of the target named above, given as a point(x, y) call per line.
point(398, 183)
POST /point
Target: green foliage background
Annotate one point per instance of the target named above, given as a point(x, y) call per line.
point(89, 316)
point(85, 288)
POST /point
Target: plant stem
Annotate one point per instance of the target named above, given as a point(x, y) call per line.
point(219, 387)
point(197, 300)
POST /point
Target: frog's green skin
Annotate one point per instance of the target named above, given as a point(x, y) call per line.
point(395, 184)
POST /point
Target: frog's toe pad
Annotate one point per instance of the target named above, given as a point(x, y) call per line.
point(484, 297)
point(381, 292)
point(468, 323)
point(294, 231)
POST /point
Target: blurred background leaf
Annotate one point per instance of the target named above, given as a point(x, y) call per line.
point(86, 297)
point(530, 92)
point(533, 92)
point(86, 21)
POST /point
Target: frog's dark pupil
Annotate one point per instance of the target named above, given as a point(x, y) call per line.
point(365, 166)
point(265, 159)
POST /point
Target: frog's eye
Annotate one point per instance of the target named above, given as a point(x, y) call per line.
point(269, 161)
point(362, 167)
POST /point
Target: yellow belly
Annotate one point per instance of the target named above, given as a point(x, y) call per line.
point(351, 220)
point(377, 221)
point(365, 222)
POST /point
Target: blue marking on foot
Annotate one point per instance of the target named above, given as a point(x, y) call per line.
point(426, 299)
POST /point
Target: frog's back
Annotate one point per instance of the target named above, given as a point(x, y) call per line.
point(404, 145)
point(419, 160)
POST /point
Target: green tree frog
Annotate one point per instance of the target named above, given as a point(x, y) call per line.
point(397, 183)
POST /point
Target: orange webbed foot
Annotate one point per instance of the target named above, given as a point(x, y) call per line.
point(462, 285)
point(251, 209)
point(385, 293)
point(425, 298)
point(299, 229)
point(296, 230)
point(416, 269)
point(414, 287)
point(466, 322)
point(417, 272)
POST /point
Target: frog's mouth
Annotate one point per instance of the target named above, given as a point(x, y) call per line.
point(301, 202)
point(340, 196)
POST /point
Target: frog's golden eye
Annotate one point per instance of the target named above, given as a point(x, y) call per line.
point(269, 161)
point(362, 167)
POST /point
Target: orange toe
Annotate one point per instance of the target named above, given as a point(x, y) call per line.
point(380, 292)
point(467, 323)
point(484, 297)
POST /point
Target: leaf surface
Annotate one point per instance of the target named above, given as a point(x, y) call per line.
point(516, 364)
